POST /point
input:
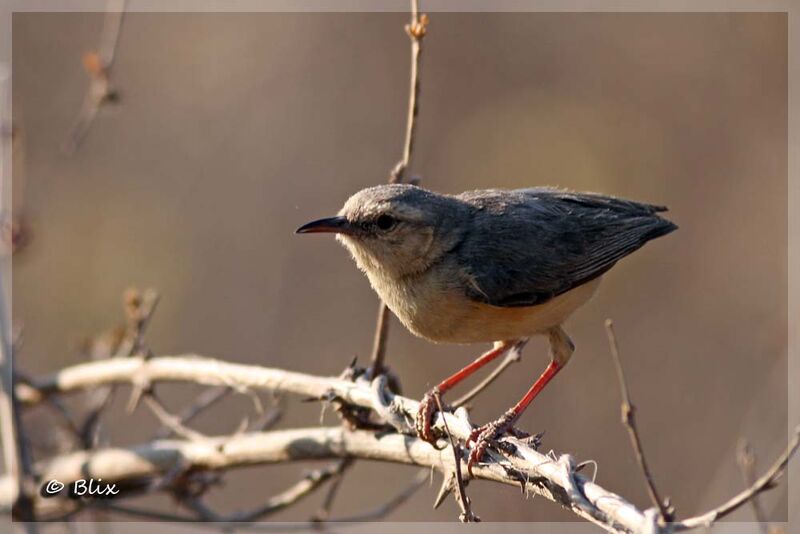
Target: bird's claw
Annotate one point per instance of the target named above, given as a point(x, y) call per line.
point(486, 435)
point(423, 422)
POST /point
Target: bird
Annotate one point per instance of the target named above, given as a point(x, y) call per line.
point(488, 266)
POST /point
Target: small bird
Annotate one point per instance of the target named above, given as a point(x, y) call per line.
point(488, 266)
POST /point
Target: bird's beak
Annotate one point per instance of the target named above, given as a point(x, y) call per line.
point(330, 225)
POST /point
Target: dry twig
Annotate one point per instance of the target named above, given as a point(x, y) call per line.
point(629, 420)
point(763, 483)
point(547, 477)
point(457, 480)
point(98, 66)
point(746, 461)
point(203, 401)
point(513, 356)
point(416, 30)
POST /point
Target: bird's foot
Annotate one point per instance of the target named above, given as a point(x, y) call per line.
point(486, 435)
point(424, 420)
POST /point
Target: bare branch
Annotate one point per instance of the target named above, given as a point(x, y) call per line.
point(416, 30)
point(324, 512)
point(15, 447)
point(203, 401)
point(765, 482)
point(629, 420)
point(139, 309)
point(98, 66)
point(307, 485)
point(370, 515)
point(747, 461)
point(392, 504)
point(379, 343)
point(134, 464)
point(467, 516)
point(544, 476)
point(514, 355)
point(170, 421)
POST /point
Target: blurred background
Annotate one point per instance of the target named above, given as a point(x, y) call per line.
point(234, 129)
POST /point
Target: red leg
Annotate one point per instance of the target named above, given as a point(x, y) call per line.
point(552, 370)
point(499, 349)
point(482, 436)
point(428, 404)
point(560, 351)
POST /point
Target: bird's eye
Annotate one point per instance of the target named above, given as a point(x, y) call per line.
point(385, 222)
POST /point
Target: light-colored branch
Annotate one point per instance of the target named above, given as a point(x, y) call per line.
point(553, 477)
point(202, 402)
point(746, 460)
point(544, 475)
point(120, 465)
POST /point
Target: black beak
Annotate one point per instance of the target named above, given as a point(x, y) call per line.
point(330, 225)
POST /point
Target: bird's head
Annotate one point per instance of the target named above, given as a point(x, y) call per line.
point(395, 230)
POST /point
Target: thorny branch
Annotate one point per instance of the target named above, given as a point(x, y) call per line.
point(554, 477)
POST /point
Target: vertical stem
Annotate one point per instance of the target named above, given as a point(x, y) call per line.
point(15, 454)
point(416, 31)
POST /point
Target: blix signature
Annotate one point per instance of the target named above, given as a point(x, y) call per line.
point(81, 488)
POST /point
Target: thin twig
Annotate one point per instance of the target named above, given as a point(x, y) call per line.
point(323, 514)
point(392, 504)
point(746, 460)
point(379, 343)
point(139, 309)
point(98, 67)
point(467, 516)
point(416, 30)
point(513, 356)
point(379, 512)
point(169, 420)
point(17, 458)
point(629, 420)
point(203, 401)
point(765, 482)
point(307, 485)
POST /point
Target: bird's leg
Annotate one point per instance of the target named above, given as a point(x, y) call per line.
point(427, 406)
point(561, 349)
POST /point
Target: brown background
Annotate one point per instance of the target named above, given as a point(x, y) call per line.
point(235, 129)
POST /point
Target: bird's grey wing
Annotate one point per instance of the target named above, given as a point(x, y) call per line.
point(530, 245)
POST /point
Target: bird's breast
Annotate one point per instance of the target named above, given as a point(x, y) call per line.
point(436, 307)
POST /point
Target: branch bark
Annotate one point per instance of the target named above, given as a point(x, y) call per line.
point(554, 478)
point(132, 465)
